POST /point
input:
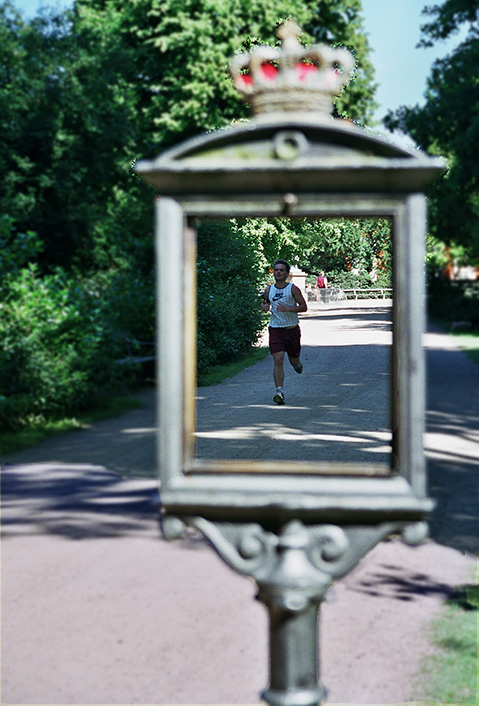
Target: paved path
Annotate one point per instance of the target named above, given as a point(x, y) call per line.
point(97, 608)
point(336, 410)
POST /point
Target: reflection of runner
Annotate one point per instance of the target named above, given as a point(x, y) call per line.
point(284, 301)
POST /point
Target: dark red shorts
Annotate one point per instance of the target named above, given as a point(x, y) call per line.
point(285, 339)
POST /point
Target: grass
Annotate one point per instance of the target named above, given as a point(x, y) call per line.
point(449, 674)
point(38, 430)
point(469, 343)
point(222, 372)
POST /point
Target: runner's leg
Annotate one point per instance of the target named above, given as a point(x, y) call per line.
point(278, 369)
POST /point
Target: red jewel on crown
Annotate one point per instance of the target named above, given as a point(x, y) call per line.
point(293, 78)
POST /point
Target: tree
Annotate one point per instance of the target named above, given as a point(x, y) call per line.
point(351, 251)
point(340, 24)
point(448, 124)
point(85, 93)
point(182, 50)
point(82, 96)
point(68, 129)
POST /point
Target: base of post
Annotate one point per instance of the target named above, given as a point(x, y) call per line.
point(296, 697)
point(293, 569)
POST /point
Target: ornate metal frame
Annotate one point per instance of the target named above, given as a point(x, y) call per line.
point(319, 490)
point(297, 528)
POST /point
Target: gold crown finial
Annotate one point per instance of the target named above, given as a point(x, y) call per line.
point(292, 78)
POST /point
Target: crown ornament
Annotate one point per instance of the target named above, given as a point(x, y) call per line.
point(292, 78)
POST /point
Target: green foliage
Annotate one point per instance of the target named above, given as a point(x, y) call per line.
point(449, 675)
point(39, 429)
point(61, 342)
point(83, 95)
point(452, 301)
point(353, 252)
point(447, 18)
point(270, 238)
point(182, 51)
point(229, 281)
point(51, 337)
point(436, 254)
point(68, 125)
point(127, 302)
point(340, 24)
point(16, 249)
point(448, 124)
point(222, 372)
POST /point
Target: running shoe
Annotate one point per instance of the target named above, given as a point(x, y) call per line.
point(279, 398)
point(299, 368)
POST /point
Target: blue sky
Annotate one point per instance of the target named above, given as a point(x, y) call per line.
point(401, 70)
point(393, 30)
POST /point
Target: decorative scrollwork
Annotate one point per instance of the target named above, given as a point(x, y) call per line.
point(322, 552)
point(293, 570)
point(252, 543)
point(245, 547)
point(328, 544)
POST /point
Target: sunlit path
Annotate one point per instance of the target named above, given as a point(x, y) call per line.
point(336, 410)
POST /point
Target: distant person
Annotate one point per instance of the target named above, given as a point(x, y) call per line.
point(321, 283)
point(284, 301)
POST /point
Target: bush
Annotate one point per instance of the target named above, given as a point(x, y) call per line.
point(127, 302)
point(349, 280)
point(59, 346)
point(229, 278)
point(453, 301)
point(63, 336)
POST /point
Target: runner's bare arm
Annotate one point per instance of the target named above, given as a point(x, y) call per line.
point(265, 303)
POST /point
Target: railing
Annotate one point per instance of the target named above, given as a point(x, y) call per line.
point(367, 291)
point(334, 294)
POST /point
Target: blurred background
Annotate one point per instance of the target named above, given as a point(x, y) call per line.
point(88, 88)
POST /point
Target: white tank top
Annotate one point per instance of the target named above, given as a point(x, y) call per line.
point(282, 319)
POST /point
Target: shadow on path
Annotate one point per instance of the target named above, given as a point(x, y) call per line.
point(452, 446)
point(62, 486)
point(335, 411)
point(75, 502)
point(401, 584)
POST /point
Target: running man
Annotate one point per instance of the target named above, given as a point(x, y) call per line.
point(284, 301)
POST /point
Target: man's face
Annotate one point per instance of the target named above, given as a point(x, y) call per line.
point(280, 273)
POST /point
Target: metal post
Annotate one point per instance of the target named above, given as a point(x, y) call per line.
point(294, 657)
point(292, 595)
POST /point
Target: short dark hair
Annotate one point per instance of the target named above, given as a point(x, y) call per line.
point(282, 262)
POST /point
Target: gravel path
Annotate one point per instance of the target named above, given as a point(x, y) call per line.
point(98, 609)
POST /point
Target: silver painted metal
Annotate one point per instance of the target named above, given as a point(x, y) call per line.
point(293, 567)
point(317, 491)
point(322, 157)
point(294, 528)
